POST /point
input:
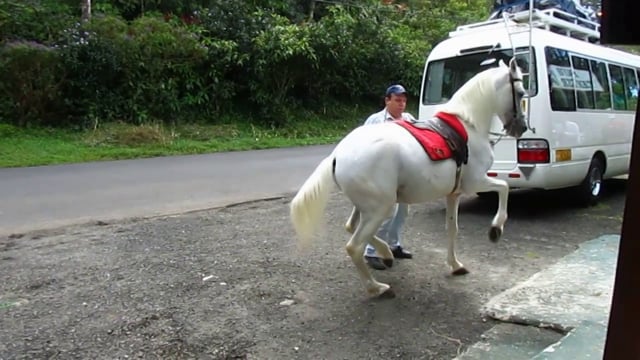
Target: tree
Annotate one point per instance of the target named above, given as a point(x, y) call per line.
point(86, 10)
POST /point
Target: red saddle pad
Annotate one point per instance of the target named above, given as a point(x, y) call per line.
point(433, 143)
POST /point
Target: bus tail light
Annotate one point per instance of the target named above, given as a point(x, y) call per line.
point(533, 151)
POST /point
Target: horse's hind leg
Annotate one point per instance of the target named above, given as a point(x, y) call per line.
point(351, 224)
point(453, 200)
point(382, 248)
point(366, 230)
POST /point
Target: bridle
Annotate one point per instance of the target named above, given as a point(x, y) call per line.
point(512, 81)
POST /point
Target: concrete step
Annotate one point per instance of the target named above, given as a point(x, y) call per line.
point(507, 341)
point(570, 299)
point(584, 342)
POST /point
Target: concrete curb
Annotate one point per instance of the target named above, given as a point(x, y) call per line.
point(571, 297)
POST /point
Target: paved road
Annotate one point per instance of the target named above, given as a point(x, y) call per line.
point(50, 196)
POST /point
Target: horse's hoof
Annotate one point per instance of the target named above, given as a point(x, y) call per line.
point(387, 262)
point(461, 271)
point(387, 294)
point(495, 233)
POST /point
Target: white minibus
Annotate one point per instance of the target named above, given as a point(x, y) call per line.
point(581, 103)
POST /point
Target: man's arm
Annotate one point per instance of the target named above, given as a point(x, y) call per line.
point(376, 118)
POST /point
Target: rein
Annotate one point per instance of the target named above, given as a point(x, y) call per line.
point(499, 135)
point(512, 81)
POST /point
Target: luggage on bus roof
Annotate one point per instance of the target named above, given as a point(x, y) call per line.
point(572, 7)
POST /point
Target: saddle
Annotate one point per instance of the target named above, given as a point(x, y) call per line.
point(442, 137)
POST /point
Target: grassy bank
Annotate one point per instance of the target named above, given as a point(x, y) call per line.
point(32, 147)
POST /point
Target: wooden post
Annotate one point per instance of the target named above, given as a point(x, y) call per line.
point(619, 26)
point(623, 335)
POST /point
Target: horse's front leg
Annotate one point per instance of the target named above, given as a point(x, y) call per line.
point(453, 200)
point(502, 188)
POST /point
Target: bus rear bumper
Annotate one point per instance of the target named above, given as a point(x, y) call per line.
point(526, 176)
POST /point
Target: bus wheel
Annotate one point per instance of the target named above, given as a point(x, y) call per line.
point(590, 190)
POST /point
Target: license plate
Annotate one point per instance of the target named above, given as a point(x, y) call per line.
point(563, 155)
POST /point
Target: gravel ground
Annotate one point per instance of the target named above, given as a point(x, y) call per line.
point(229, 283)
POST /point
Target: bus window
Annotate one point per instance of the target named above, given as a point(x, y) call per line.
point(435, 79)
point(562, 90)
point(631, 88)
point(523, 62)
point(446, 76)
point(583, 83)
point(601, 85)
point(617, 87)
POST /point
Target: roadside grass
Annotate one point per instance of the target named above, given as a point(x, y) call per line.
point(115, 141)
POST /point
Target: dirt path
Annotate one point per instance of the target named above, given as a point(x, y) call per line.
point(209, 285)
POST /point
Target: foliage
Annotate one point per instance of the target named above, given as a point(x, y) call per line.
point(34, 20)
point(144, 62)
point(282, 58)
point(164, 65)
point(94, 56)
point(136, 72)
point(31, 83)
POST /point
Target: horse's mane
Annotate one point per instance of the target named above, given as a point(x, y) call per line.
point(473, 102)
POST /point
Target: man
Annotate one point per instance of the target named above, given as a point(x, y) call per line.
point(395, 101)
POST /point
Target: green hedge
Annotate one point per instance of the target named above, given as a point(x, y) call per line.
point(231, 58)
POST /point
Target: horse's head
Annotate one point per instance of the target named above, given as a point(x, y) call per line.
point(509, 93)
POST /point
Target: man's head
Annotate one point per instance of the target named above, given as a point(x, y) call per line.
point(395, 100)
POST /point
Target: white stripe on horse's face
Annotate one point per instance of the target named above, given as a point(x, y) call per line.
point(510, 91)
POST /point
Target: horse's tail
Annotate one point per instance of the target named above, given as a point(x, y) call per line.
point(307, 207)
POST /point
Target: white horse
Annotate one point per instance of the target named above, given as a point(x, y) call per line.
point(376, 166)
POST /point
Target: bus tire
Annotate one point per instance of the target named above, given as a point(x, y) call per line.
point(590, 190)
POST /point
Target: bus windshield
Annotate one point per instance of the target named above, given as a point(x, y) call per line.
point(446, 76)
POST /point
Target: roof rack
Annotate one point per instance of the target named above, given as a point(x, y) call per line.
point(552, 19)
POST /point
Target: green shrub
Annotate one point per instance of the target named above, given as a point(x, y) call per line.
point(34, 20)
point(30, 86)
point(145, 71)
point(357, 57)
point(165, 69)
point(281, 61)
point(228, 29)
point(94, 59)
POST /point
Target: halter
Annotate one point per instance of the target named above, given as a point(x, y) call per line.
point(512, 81)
